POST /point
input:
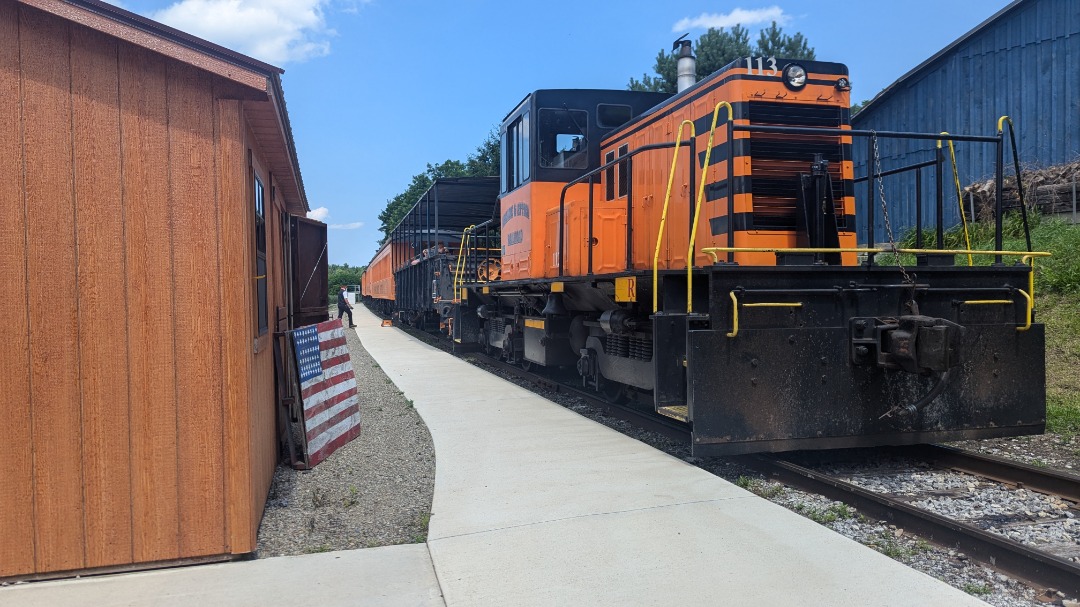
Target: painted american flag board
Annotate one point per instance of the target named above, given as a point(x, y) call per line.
point(327, 388)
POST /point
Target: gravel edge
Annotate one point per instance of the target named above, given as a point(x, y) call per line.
point(374, 491)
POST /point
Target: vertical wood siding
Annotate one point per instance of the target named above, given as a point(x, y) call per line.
point(16, 456)
point(197, 335)
point(100, 293)
point(150, 320)
point(51, 272)
point(236, 294)
point(139, 426)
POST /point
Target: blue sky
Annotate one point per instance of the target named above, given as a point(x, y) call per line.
point(376, 89)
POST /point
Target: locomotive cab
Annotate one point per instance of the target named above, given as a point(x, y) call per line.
point(550, 139)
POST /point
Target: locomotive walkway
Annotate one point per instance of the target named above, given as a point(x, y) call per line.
point(536, 505)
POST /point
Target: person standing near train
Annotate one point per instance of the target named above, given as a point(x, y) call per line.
point(343, 306)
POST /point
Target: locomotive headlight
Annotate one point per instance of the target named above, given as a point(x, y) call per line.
point(794, 76)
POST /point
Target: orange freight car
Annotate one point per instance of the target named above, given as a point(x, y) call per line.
point(377, 283)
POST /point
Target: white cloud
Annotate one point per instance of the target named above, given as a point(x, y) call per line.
point(738, 16)
point(274, 31)
point(346, 226)
point(319, 214)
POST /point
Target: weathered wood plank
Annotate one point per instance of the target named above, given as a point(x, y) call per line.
point(103, 342)
point(16, 481)
point(52, 273)
point(235, 245)
point(150, 321)
point(198, 311)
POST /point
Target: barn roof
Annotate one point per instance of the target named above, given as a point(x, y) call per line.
point(265, 110)
point(926, 65)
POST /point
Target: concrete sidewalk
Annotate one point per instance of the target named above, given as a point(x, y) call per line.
point(381, 577)
point(536, 505)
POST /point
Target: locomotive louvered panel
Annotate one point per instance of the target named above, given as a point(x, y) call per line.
point(778, 160)
point(794, 114)
point(803, 151)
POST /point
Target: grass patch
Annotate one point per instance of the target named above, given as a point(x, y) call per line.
point(977, 589)
point(760, 487)
point(1061, 315)
point(318, 549)
point(824, 516)
point(352, 499)
point(887, 544)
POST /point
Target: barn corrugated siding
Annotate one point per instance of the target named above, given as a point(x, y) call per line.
point(1022, 62)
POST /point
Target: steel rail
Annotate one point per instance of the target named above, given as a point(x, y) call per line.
point(1019, 474)
point(1037, 568)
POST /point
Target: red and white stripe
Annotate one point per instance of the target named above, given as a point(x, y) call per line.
point(331, 404)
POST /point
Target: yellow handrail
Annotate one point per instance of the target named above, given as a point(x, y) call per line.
point(735, 310)
point(1030, 307)
point(459, 264)
point(712, 251)
point(959, 196)
point(697, 203)
point(1026, 257)
point(734, 315)
point(663, 214)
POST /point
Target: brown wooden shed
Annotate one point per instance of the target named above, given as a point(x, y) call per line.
point(149, 182)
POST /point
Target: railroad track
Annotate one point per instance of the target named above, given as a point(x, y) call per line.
point(1038, 568)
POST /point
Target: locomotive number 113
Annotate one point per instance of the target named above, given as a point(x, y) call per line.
point(761, 64)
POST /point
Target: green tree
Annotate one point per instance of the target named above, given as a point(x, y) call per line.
point(773, 42)
point(719, 47)
point(343, 275)
point(484, 162)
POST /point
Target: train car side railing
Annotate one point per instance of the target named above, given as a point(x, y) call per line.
point(590, 177)
point(473, 254)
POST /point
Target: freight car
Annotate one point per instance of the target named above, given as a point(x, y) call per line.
point(699, 251)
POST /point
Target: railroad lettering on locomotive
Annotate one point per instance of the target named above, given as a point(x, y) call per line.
point(705, 255)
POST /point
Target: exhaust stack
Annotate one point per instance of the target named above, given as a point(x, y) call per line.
point(687, 66)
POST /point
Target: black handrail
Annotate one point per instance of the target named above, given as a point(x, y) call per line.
point(589, 176)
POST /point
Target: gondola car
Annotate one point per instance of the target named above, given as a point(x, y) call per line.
point(699, 251)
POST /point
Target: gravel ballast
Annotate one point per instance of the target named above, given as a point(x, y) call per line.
point(374, 491)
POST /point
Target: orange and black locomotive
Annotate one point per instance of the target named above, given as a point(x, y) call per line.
point(701, 251)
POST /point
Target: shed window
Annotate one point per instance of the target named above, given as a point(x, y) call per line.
point(262, 316)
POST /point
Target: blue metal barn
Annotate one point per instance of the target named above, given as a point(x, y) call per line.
point(1023, 61)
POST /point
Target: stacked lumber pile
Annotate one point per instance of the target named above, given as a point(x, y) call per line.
point(1050, 190)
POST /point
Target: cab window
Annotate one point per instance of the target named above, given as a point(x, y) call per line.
point(561, 135)
point(515, 153)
